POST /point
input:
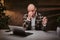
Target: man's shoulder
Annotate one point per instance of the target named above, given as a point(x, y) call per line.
point(38, 13)
point(26, 14)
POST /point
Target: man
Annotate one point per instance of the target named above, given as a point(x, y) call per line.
point(32, 20)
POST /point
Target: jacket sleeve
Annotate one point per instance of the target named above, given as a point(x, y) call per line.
point(25, 21)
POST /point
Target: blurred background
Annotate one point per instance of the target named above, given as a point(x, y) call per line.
point(16, 9)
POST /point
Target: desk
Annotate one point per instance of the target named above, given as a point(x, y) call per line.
point(37, 35)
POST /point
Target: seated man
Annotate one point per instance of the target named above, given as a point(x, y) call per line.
point(32, 20)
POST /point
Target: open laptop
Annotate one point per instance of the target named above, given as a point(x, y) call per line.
point(16, 27)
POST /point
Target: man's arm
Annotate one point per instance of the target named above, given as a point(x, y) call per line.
point(26, 21)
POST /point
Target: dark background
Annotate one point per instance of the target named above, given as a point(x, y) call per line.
point(17, 8)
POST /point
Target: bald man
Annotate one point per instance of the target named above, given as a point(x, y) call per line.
point(32, 20)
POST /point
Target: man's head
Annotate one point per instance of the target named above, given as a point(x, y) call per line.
point(31, 8)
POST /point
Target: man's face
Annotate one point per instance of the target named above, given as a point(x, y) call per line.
point(32, 9)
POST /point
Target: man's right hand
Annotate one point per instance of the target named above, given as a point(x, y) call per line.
point(30, 14)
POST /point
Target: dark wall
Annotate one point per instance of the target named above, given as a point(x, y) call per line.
point(17, 8)
point(22, 4)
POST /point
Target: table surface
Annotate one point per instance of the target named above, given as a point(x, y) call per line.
point(36, 35)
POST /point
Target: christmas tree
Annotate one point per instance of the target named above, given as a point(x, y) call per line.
point(3, 18)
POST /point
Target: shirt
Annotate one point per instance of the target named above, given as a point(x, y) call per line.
point(33, 22)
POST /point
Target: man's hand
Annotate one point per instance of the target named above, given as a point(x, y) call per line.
point(44, 20)
point(30, 14)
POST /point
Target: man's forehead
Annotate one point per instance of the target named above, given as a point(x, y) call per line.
point(31, 6)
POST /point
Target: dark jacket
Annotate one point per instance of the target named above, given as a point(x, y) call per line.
point(27, 24)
